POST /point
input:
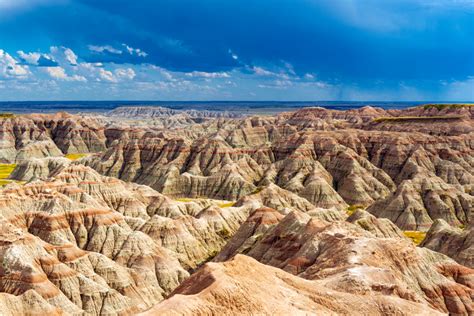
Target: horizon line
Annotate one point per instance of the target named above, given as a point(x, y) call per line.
point(242, 101)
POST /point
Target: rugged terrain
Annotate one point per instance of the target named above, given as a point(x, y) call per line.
point(308, 210)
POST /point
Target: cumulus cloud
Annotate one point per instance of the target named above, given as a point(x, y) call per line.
point(127, 73)
point(105, 48)
point(30, 58)
point(60, 73)
point(107, 75)
point(63, 55)
point(10, 68)
point(71, 57)
point(117, 75)
point(135, 51)
point(36, 59)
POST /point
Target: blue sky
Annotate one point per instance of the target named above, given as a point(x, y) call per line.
point(237, 50)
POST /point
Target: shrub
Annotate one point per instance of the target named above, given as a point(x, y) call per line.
point(416, 236)
point(75, 156)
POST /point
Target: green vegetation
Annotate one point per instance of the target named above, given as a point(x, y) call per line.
point(228, 204)
point(5, 172)
point(416, 236)
point(75, 156)
point(416, 118)
point(7, 115)
point(450, 106)
point(352, 208)
point(4, 182)
point(224, 204)
point(185, 200)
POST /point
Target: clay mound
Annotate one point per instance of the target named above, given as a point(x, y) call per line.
point(223, 289)
point(285, 201)
point(454, 242)
point(380, 227)
point(230, 159)
point(351, 258)
point(418, 202)
point(29, 303)
point(39, 168)
point(45, 135)
point(88, 243)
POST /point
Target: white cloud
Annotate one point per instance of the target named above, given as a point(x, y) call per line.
point(60, 73)
point(208, 75)
point(233, 55)
point(167, 75)
point(10, 68)
point(282, 74)
point(62, 55)
point(460, 90)
point(309, 76)
point(107, 75)
point(290, 69)
point(70, 56)
point(135, 51)
point(105, 48)
point(127, 73)
point(30, 58)
point(262, 72)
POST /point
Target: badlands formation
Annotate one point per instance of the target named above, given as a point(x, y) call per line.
point(154, 211)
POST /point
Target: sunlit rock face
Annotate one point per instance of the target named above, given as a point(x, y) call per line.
point(330, 158)
point(368, 257)
point(81, 242)
point(187, 213)
point(456, 242)
point(38, 135)
point(223, 289)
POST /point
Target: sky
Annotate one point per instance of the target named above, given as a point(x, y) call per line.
point(293, 50)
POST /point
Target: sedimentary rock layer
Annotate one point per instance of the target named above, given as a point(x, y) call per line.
point(369, 258)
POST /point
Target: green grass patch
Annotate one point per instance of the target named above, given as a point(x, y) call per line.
point(448, 106)
point(228, 204)
point(221, 205)
point(75, 156)
point(416, 236)
point(352, 208)
point(4, 182)
point(5, 172)
point(185, 200)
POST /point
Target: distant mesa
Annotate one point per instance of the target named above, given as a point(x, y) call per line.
point(162, 112)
